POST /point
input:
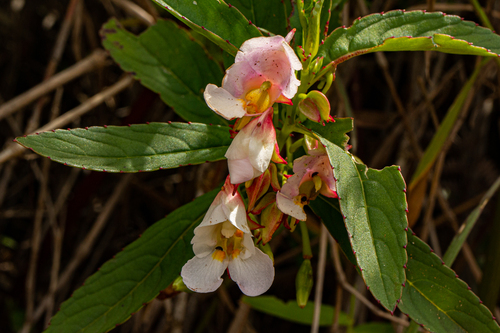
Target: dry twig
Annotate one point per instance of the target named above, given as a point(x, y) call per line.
point(88, 64)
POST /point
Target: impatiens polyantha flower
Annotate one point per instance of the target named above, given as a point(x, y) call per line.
point(313, 174)
point(223, 240)
point(252, 149)
point(263, 73)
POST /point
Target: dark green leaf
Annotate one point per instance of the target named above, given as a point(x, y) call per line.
point(135, 276)
point(329, 211)
point(409, 31)
point(335, 132)
point(167, 61)
point(222, 23)
point(290, 310)
point(143, 147)
point(373, 203)
point(435, 297)
point(272, 15)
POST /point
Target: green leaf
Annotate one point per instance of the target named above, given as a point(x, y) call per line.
point(435, 297)
point(222, 23)
point(272, 15)
point(409, 31)
point(143, 147)
point(335, 132)
point(328, 210)
point(167, 61)
point(373, 203)
point(292, 312)
point(135, 276)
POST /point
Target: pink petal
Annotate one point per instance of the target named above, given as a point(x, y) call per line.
point(223, 103)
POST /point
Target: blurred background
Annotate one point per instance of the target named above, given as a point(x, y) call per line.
point(58, 224)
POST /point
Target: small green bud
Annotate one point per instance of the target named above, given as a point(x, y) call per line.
point(178, 285)
point(313, 30)
point(316, 65)
point(316, 107)
point(304, 283)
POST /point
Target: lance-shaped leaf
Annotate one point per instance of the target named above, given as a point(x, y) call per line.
point(166, 60)
point(435, 297)
point(135, 276)
point(409, 31)
point(373, 203)
point(142, 147)
point(220, 22)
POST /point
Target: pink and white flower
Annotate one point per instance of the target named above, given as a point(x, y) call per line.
point(313, 175)
point(263, 73)
point(223, 240)
point(252, 149)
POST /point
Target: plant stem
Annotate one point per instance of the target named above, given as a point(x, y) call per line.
point(306, 243)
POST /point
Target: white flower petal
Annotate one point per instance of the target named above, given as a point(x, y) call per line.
point(204, 240)
point(223, 103)
point(241, 170)
point(253, 275)
point(236, 213)
point(248, 247)
point(203, 275)
point(215, 214)
point(288, 206)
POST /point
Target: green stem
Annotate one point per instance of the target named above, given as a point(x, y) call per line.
point(306, 243)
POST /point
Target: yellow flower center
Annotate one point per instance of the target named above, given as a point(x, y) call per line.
point(229, 242)
point(258, 100)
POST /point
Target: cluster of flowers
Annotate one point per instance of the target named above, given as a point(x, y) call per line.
point(263, 74)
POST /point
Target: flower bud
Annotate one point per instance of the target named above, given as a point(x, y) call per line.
point(257, 187)
point(270, 218)
point(311, 45)
point(316, 65)
point(315, 107)
point(178, 285)
point(304, 283)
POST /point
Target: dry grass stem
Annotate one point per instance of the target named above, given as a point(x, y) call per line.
point(90, 63)
point(343, 281)
point(15, 149)
point(320, 278)
point(136, 11)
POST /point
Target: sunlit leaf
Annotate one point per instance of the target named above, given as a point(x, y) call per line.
point(409, 31)
point(435, 297)
point(142, 147)
point(220, 22)
point(373, 203)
